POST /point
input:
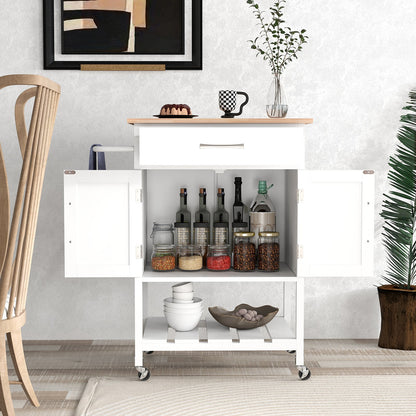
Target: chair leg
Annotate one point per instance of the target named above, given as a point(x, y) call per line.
point(6, 403)
point(18, 356)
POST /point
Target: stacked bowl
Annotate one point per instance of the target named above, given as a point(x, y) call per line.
point(183, 311)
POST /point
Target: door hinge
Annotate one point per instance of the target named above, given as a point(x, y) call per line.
point(300, 195)
point(139, 195)
point(139, 252)
point(300, 252)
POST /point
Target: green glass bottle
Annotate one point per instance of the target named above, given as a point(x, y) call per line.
point(262, 203)
point(183, 221)
point(221, 220)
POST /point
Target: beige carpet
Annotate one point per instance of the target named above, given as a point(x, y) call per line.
point(250, 396)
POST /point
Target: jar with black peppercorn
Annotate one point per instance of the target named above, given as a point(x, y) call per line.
point(268, 251)
point(244, 252)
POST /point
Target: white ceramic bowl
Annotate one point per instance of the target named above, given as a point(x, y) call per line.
point(183, 321)
point(183, 310)
point(183, 287)
point(183, 307)
point(183, 296)
point(170, 302)
point(182, 301)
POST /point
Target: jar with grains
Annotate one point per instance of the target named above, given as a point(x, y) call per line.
point(219, 258)
point(163, 258)
point(268, 251)
point(190, 258)
point(244, 252)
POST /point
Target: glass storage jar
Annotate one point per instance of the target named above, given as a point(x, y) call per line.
point(163, 258)
point(162, 234)
point(244, 252)
point(190, 258)
point(219, 258)
point(268, 251)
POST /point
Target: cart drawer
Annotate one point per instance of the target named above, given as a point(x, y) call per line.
point(193, 147)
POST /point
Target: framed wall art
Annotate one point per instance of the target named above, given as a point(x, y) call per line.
point(122, 34)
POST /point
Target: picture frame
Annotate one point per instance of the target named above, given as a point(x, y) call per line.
point(54, 59)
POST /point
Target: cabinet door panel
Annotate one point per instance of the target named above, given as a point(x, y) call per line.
point(103, 224)
point(336, 223)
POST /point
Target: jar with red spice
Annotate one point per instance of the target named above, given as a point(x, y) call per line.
point(219, 258)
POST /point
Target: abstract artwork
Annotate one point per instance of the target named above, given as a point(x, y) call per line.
point(123, 34)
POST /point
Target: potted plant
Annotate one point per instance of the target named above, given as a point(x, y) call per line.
point(278, 45)
point(398, 297)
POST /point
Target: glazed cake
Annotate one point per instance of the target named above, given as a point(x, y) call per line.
point(175, 110)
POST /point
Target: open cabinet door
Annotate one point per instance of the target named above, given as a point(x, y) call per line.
point(103, 224)
point(335, 223)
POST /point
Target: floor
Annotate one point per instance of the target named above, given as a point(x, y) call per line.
point(60, 369)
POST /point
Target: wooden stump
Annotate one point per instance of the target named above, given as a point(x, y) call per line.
point(398, 317)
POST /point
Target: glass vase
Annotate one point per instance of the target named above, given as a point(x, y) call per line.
point(276, 99)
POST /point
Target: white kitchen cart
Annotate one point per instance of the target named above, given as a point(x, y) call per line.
point(325, 219)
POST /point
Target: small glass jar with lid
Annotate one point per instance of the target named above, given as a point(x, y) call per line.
point(162, 234)
point(190, 258)
point(163, 258)
point(219, 258)
point(244, 252)
point(268, 251)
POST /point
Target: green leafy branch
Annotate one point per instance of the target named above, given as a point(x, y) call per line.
point(276, 43)
point(399, 206)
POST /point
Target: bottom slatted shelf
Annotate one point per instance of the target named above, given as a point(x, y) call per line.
point(211, 336)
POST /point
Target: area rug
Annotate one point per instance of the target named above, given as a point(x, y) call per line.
point(250, 396)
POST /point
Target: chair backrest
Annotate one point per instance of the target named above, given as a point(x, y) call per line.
point(18, 235)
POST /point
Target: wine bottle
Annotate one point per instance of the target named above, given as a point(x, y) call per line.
point(221, 220)
point(183, 220)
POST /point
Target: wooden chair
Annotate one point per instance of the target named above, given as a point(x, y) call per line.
point(17, 237)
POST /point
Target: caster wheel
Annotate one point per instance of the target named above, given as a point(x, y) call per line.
point(143, 374)
point(305, 374)
point(291, 351)
point(149, 352)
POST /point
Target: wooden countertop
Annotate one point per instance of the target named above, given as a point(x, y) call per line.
point(197, 120)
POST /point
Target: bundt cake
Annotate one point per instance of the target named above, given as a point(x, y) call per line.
point(175, 110)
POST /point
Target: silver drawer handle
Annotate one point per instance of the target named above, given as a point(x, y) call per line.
point(221, 146)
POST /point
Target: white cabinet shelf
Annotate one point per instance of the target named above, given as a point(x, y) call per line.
point(325, 220)
point(211, 336)
point(284, 275)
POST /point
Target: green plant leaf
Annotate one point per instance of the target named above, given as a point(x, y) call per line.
point(399, 206)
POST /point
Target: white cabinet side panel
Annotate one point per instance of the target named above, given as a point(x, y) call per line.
point(336, 223)
point(103, 222)
point(291, 220)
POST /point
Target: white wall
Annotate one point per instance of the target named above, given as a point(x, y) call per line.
point(352, 78)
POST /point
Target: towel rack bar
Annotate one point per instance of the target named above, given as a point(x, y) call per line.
point(101, 149)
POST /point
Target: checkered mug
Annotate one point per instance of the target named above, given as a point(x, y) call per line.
point(228, 102)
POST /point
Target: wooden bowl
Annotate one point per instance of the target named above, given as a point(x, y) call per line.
point(229, 318)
